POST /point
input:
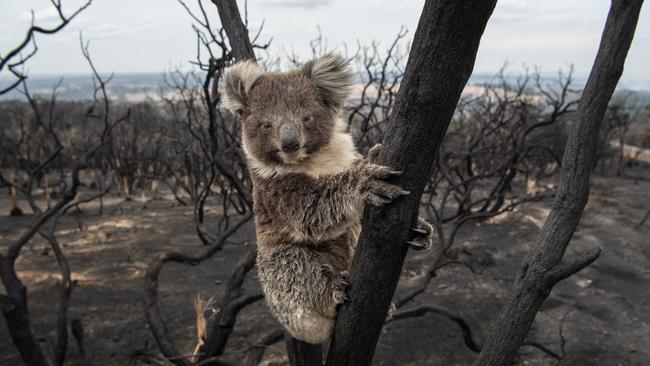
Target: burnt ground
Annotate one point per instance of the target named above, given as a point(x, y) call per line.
point(603, 313)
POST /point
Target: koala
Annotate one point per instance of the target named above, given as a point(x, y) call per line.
point(310, 185)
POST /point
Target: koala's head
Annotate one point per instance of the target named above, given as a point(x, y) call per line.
point(288, 116)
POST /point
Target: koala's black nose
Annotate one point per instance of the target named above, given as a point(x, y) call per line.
point(289, 138)
point(290, 146)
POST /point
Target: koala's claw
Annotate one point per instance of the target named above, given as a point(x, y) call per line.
point(423, 237)
point(419, 231)
point(416, 245)
point(380, 193)
point(378, 200)
point(372, 180)
point(383, 194)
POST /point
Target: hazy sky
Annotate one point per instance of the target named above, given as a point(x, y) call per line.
point(152, 35)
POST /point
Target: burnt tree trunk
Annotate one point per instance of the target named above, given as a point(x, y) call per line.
point(18, 318)
point(440, 63)
point(542, 269)
point(303, 354)
point(236, 30)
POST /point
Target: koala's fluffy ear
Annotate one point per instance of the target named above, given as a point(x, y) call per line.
point(237, 83)
point(332, 78)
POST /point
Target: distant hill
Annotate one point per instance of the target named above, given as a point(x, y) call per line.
point(140, 86)
point(131, 87)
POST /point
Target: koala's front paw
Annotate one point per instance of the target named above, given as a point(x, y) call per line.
point(374, 189)
point(422, 235)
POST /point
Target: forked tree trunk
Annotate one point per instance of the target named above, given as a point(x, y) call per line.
point(541, 269)
point(236, 30)
point(440, 63)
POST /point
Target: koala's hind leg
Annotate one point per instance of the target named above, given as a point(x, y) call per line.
point(302, 291)
point(308, 323)
point(310, 326)
point(315, 324)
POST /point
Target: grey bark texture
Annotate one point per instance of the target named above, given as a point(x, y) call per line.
point(440, 63)
point(542, 267)
point(302, 353)
point(236, 30)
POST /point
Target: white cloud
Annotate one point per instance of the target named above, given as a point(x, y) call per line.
point(307, 4)
point(107, 31)
point(43, 16)
point(542, 42)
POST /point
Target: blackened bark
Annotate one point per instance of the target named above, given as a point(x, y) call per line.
point(61, 345)
point(18, 318)
point(256, 351)
point(236, 30)
point(78, 333)
point(541, 269)
point(440, 63)
point(302, 353)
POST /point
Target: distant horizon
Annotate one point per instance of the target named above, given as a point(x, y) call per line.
point(632, 82)
point(136, 72)
point(137, 87)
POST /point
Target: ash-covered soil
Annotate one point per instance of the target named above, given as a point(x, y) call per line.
point(599, 317)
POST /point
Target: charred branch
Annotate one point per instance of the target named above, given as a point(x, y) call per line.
point(151, 305)
point(14, 59)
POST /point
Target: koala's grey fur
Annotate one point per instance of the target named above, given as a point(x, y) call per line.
point(308, 202)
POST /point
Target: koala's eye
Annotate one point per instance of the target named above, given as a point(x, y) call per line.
point(307, 118)
point(266, 125)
